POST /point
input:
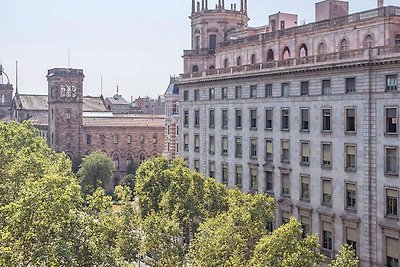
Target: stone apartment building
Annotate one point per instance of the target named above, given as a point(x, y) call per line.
point(171, 97)
point(308, 114)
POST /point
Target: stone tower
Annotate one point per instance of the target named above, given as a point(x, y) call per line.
point(65, 102)
point(210, 27)
point(6, 94)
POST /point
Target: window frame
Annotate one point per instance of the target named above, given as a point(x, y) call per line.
point(346, 160)
point(387, 214)
point(253, 91)
point(268, 90)
point(239, 119)
point(283, 118)
point(253, 120)
point(302, 162)
point(253, 148)
point(346, 118)
point(349, 80)
point(347, 205)
point(323, 164)
point(326, 90)
point(302, 196)
point(285, 89)
point(324, 202)
point(238, 154)
point(391, 87)
point(323, 109)
point(390, 173)
point(285, 160)
point(387, 132)
point(269, 110)
point(303, 129)
point(304, 90)
point(271, 157)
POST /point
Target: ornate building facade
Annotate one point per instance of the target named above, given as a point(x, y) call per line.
point(308, 114)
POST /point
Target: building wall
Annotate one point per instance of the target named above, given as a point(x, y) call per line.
point(6, 94)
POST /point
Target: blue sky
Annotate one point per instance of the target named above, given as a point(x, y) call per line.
point(134, 44)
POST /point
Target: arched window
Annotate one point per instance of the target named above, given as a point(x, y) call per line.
point(369, 41)
point(52, 138)
point(344, 46)
point(195, 69)
point(88, 139)
point(68, 140)
point(303, 51)
point(270, 55)
point(212, 67)
point(253, 59)
point(286, 53)
point(154, 138)
point(397, 42)
point(321, 49)
point(116, 161)
point(129, 159)
point(226, 63)
point(52, 113)
point(102, 139)
point(129, 139)
point(115, 139)
point(239, 61)
point(3, 99)
point(52, 91)
point(142, 157)
point(68, 114)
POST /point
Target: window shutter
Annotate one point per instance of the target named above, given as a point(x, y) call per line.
point(351, 234)
point(305, 149)
point(327, 152)
point(392, 248)
point(326, 226)
point(351, 187)
point(392, 193)
point(269, 147)
point(327, 187)
point(305, 179)
point(285, 145)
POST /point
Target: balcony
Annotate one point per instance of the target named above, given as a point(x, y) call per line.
point(200, 52)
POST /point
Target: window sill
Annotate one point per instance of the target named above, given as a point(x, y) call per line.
point(391, 175)
point(350, 132)
point(305, 200)
point(269, 160)
point(285, 161)
point(391, 134)
point(286, 196)
point(326, 167)
point(238, 128)
point(239, 156)
point(253, 158)
point(326, 131)
point(350, 209)
point(329, 205)
point(270, 192)
point(285, 129)
point(253, 128)
point(268, 129)
point(305, 164)
point(392, 217)
point(305, 131)
point(351, 170)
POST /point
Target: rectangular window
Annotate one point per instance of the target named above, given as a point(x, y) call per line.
point(391, 161)
point(196, 143)
point(238, 176)
point(326, 119)
point(305, 153)
point(268, 119)
point(285, 119)
point(392, 200)
point(253, 148)
point(305, 187)
point(351, 196)
point(392, 252)
point(238, 118)
point(305, 226)
point(269, 182)
point(224, 118)
point(211, 172)
point(326, 155)
point(211, 93)
point(391, 83)
point(326, 87)
point(351, 237)
point(196, 95)
point(304, 88)
point(185, 95)
point(285, 155)
point(327, 231)
point(238, 92)
point(212, 144)
point(268, 150)
point(285, 190)
point(326, 192)
point(224, 145)
point(351, 161)
point(253, 91)
point(391, 120)
point(224, 93)
point(186, 142)
point(285, 89)
point(253, 178)
point(197, 165)
point(350, 120)
point(305, 119)
point(213, 41)
point(225, 173)
point(350, 85)
point(186, 118)
point(212, 118)
point(196, 118)
point(268, 90)
point(285, 217)
point(238, 146)
point(253, 119)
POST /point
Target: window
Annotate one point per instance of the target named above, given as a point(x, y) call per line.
point(397, 42)
point(196, 95)
point(369, 41)
point(391, 161)
point(270, 226)
point(253, 148)
point(224, 93)
point(304, 88)
point(186, 118)
point(285, 217)
point(253, 59)
point(344, 46)
point(268, 150)
point(238, 146)
point(391, 120)
point(224, 145)
point(285, 190)
point(213, 41)
point(305, 225)
point(211, 172)
point(130, 137)
point(185, 95)
point(321, 49)
point(186, 142)
point(285, 119)
point(225, 173)
point(253, 177)
point(268, 119)
point(305, 153)
point(326, 87)
point(211, 121)
point(68, 140)
point(102, 139)
point(392, 252)
point(303, 51)
point(197, 42)
point(285, 89)
point(238, 175)
point(327, 231)
point(350, 120)
point(211, 93)
point(285, 155)
point(88, 139)
point(238, 61)
point(351, 200)
point(238, 118)
point(350, 160)
point(253, 119)
point(326, 192)
point(68, 115)
point(196, 143)
point(211, 147)
point(268, 90)
point(116, 162)
point(350, 85)
point(392, 200)
point(224, 118)
point(195, 69)
point(305, 119)
point(269, 182)
point(226, 63)
point(391, 83)
point(351, 237)
point(286, 53)
point(326, 119)
point(305, 187)
point(270, 55)
point(326, 155)
point(197, 165)
point(238, 92)
point(253, 91)
point(115, 139)
point(196, 118)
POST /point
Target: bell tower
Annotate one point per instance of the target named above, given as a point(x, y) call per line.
point(65, 103)
point(6, 94)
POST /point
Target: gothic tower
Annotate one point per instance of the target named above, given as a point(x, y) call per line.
point(65, 102)
point(6, 94)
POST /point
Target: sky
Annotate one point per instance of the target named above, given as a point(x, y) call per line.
point(134, 44)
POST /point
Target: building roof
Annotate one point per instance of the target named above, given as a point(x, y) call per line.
point(40, 120)
point(173, 88)
point(94, 104)
point(116, 100)
point(123, 122)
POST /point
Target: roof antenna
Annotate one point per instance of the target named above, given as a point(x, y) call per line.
point(1, 73)
point(16, 77)
point(101, 85)
point(69, 57)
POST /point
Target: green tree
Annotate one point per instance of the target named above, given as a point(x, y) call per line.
point(285, 247)
point(129, 181)
point(345, 258)
point(95, 171)
point(131, 168)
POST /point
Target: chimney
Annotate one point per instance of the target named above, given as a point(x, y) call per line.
point(223, 4)
point(234, 7)
point(241, 5)
point(202, 4)
point(245, 6)
point(198, 6)
point(380, 3)
point(206, 7)
point(193, 6)
point(231, 6)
